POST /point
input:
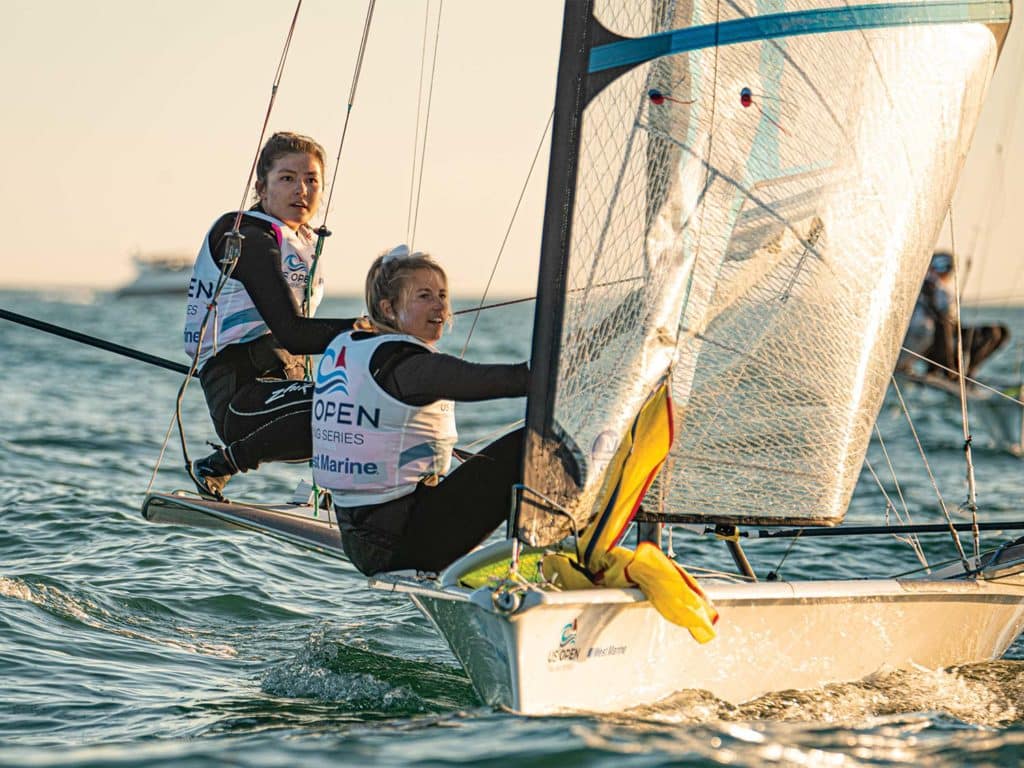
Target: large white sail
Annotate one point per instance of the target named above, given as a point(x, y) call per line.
point(782, 369)
point(755, 204)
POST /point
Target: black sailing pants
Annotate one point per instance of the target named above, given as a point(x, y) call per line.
point(980, 341)
point(435, 525)
point(262, 417)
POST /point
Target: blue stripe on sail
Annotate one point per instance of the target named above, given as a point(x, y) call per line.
point(421, 451)
point(818, 21)
point(251, 315)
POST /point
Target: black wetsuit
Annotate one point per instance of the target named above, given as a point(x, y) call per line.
point(431, 527)
point(979, 341)
point(259, 404)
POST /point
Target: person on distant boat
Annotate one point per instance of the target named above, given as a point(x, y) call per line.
point(932, 331)
point(250, 357)
point(930, 328)
point(384, 427)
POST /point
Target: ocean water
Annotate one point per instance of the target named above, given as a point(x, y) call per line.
point(124, 643)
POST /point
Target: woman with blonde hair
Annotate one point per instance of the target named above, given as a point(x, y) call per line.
point(384, 427)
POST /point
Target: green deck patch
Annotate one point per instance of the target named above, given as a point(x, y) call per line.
point(493, 573)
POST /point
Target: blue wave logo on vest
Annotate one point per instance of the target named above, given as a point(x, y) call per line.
point(569, 633)
point(294, 263)
point(331, 375)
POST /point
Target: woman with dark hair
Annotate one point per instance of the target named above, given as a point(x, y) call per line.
point(251, 353)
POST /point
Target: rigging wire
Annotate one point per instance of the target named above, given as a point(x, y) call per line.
point(972, 500)
point(322, 232)
point(348, 109)
point(931, 476)
point(411, 235)
point(266, 118)
point(508, 231)
point(160, 455)
point(911, 540)
point(419, 111)
point(895, 480)
point(773, 575)
point(493, 434)
point(232, 252)
point(507, 303)
point(975, 382)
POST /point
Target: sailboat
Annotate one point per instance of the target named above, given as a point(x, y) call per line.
point(748, 202)
point(742, 201)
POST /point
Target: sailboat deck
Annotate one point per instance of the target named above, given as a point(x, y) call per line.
point(946, 584)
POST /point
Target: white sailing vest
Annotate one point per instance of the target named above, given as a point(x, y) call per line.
point(235, 320)
point(369, 447)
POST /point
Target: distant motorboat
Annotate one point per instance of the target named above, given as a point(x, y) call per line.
point(159, 274)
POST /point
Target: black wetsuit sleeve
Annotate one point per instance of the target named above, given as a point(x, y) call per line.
point(417, 376)
point(259, 270)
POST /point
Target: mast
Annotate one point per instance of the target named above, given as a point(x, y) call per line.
point(570, 100)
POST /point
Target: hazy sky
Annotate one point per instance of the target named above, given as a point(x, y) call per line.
point(132, 125)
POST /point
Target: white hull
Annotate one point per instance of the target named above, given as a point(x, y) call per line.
point(771, 636)
point(159, 275)
point(170, 284)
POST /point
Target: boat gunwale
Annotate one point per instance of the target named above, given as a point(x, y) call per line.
point(796, 593)
point(940, 587)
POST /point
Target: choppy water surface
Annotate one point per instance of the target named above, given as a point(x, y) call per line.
point(124, 643)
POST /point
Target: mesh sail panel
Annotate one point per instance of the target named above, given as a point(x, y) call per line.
point(756, 218)
point(812, 252)
point(628, 268)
